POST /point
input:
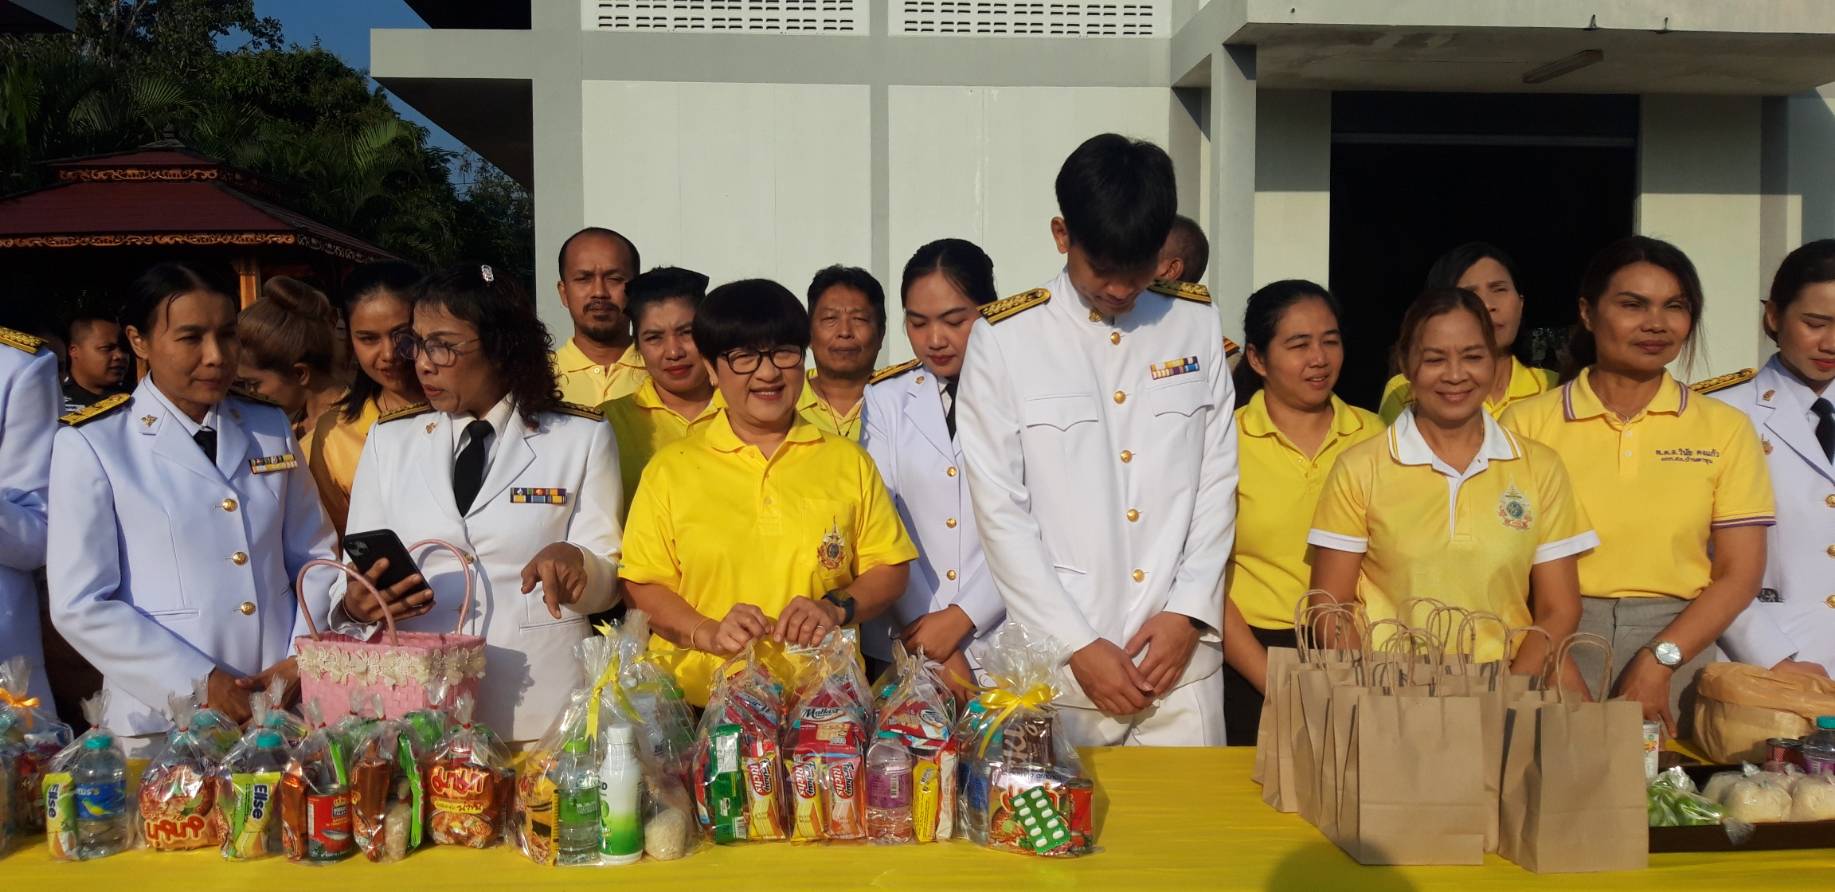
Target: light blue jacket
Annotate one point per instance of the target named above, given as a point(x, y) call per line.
point(29, 401)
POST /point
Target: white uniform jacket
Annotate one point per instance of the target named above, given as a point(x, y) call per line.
point(164, 566)
point(903, 428)
point(29, 400)
point(1101, 455)
point(1793, 616)
point(404, 483)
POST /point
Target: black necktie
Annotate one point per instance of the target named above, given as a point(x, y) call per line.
point(1825, 427)
point(207, 441)
point(468, 468)
point(949, 411)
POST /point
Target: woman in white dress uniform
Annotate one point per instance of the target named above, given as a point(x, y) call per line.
point(499, 466)
point(909, 429)
point(29, 402)
point(180, 515)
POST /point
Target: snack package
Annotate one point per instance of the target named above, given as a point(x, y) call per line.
point(388, 794)
point(920, 711)
point(738, 766)
point(87, 811)
point(30, 736)
point(178, 794)
point(1024, 789)
point(315, 814)
point(827, 738)
point(469, 782)
point(248, 792)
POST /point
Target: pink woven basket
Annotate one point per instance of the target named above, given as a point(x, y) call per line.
point(405, 671)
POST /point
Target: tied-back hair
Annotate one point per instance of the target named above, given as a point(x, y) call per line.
point(164, 281)
point(962, 262)
point(1582, 349)
point(293, 323)
point(1262, 317)
point(1811, 264)
point(512, 336)
point(1431, 304)
point(384, 278)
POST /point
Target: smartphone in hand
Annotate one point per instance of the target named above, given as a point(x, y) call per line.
point(366, 548)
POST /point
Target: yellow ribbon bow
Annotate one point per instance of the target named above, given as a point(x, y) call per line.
point(608, 679)
point(1000, 703)
point(24, 704)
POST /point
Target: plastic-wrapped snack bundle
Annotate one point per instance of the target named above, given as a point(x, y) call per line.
point(87, 811)
point(315, 822)
point(738, 769)
point(30, 736)
point(248, 790)
point(829, 720)
point(388, 794)
point(274, 717)
point(1024, 790)
point(210, 728)
point(651, 700)
point(469, 782)
point(178, 793)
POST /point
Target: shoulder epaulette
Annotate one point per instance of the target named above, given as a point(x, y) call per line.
point(1008, 307)
point(19, 340)
point(893, 371)
point(96, 410)
point(1191, 291)
point(567, 408)
point(1722, 382)
point(405, 412)
point(252, 396)
point(1230, 348)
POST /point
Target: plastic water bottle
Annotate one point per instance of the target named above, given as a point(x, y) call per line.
point(576, 804)
point(100, 779)
point(621, 782)
point(889, 791)
point(1819, 747)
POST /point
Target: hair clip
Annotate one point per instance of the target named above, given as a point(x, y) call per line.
point(484, 269)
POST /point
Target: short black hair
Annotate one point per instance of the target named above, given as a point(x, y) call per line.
point(1187, 242)
point(754, 314)
point(80, 325)
point(661, 284)
point(511, 335)
point(960, 261)
point(1118, 197)
point(395, 276)
point(1451, 266)
point(1813, 263)
point(164, 281)
point(560, 262)
point(852, 277)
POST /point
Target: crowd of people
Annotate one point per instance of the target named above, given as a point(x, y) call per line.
point(1091, 458)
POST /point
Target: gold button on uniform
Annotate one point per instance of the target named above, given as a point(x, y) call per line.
point(1829, 500)
point(1133, 515)
point(227, 504)
point(951, 471)
point(951, 574)
point(951, 523)
point(1114, 337)
point(1095, 316)
point(1830, 601)
point(1139, 575)
point(247, 608)
point(1120, 397)
point(239, 558)
point(1832, 551)
point(1126, 456)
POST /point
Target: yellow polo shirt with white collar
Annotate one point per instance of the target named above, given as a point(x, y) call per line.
point(818, 412)
point(1275, 498)
point(642, 425)
point(1468, 538)
point(588, 383)
point(720, 524)
point(1525, 382)
point(1656, 485)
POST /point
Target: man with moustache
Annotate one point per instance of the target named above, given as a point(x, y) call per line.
point(600, 362)
point(847, 324)
point(98, 362)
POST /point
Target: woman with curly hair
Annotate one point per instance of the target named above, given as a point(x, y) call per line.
point(498, 465)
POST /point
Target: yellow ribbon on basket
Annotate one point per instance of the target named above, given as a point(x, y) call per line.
point(1002, 702)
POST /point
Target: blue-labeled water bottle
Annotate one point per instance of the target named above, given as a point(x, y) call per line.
point(576, 804)
point(100, 779)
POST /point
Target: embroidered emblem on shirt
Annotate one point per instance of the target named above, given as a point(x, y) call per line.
point(1513, 509)
point(268, 464)
point(538, 495)
point(1770, 596)
point(1173, 367)
point(147, 420)
point(833, 550)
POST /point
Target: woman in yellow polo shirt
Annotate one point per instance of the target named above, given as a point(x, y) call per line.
point(678, 396)
point(1290, 428)
point(1677, 484)
point(1450, 505)
point(759, 525)
point(1484, 270)
point(378, 311)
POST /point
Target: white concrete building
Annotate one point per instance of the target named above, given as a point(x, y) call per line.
point(1346, 141)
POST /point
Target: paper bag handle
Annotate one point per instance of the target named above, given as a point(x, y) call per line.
point(1561, 653)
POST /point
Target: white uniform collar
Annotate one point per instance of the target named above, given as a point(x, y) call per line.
point(500, 416)
point(184, 421)
point(1780, 389)
point(1407, 446)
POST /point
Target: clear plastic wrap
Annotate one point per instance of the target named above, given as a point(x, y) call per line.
point(87, 810)
point(919, 713)
point(315, 819)
point(30, 737)
point(469, 782)
point(1812, 798)
point(388, 794)
point(830, 722)
point(1673, 802)
point(248, 790)
point(738, 765)
point(178, 796)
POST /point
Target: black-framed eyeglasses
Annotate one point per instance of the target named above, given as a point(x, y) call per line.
point(745, 362)
point(440, 353)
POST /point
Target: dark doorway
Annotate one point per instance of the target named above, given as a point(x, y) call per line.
point(1549, 179)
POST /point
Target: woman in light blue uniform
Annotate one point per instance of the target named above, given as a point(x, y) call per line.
point(29, 401)
point(908, 426)
point(180, 515)
point(1790, 626)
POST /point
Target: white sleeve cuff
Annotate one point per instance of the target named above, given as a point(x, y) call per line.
point(1337, 541)
point(1560, 548)
point(601, 582)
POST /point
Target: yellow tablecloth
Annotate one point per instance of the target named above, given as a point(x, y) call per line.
point(1175, 819)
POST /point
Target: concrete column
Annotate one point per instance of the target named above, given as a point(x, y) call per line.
point(1293, 186)
point(1232, 122)
point(1699, 187)
point(560, 208)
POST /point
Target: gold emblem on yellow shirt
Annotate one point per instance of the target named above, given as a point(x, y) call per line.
point(1513, 509)
point(833, 550)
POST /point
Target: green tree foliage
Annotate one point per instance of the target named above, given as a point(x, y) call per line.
point(316, 129)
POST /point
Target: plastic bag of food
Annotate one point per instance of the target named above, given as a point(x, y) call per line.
point(248, 789)
point(738, 766)
point(315, 820)
point(1761, 797)
point(1812, 798)
point(917, 715)
point(388, 795)
point(30, 736)
point(830, 722)
point(178, 792)
point(1674, 803)
point(651, 700)
point(469, 782)
point(275, 717)
point(87, 810)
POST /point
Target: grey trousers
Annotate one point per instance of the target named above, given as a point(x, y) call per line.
point(1631, 623)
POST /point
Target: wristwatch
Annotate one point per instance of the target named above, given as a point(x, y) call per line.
point(1668, 653)
point(840, 598)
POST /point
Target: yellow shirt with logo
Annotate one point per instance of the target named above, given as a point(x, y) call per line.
point(331, 451)
point(818, 412)
point(1525, 382)
point(720, 524)
point(1279, 488)
point(1656, 485)
point(587, 383)
point(642, 425)
point(1468, 538)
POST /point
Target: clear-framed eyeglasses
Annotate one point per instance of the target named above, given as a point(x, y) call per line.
point(440, 353)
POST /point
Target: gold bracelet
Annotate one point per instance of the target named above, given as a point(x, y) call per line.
point(694, 635)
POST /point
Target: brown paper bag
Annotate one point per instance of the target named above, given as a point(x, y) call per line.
point(1305, 701)
point(1738, 707)
point(1573, 782)
point(1274, 762)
